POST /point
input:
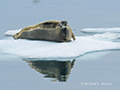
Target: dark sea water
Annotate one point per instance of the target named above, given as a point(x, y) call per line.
point(94, 71)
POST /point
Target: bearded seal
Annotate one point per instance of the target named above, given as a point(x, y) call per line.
point(52, 30)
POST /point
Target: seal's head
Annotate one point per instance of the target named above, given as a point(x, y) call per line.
point(63, 24)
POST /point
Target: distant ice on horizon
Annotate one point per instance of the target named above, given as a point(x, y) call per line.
point(46, 50)
point(12, 32)
point(101, 30)
point(107, 36)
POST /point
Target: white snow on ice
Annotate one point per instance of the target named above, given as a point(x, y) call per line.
point(29, 49)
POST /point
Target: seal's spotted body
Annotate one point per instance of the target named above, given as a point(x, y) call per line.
point(48, 30)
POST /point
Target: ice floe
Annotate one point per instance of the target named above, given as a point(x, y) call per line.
point(46, 50)
point(53, 50)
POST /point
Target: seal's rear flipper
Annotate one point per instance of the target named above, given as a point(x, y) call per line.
point(16, 36)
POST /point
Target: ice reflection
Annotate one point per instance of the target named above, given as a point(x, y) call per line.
point(59, 70)
point(36, 1)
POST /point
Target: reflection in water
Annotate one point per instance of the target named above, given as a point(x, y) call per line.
point(53, 69)
point(36, 1)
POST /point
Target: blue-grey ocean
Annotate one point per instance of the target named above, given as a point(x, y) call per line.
point(92, 62)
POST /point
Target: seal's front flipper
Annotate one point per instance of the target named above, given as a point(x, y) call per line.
point(73, 36)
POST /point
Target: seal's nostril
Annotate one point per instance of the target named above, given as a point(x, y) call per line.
point(65, 28)
point(65, 39)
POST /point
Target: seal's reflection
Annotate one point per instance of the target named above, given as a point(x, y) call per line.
point(59, 70)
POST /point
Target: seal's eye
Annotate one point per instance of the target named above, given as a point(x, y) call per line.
point(65, 24)
point(62, 22)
